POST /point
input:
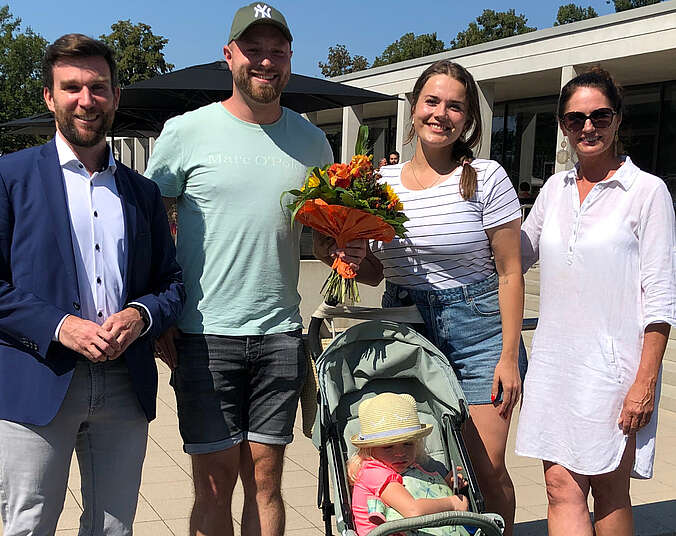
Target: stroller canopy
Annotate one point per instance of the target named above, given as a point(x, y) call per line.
point(379, 356)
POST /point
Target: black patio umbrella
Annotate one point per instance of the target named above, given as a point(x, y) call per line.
point(43, 125)
point(146, 105)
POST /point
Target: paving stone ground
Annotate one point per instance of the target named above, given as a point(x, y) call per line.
point(166, 489)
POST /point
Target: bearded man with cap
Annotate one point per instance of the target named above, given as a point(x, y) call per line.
point(240, 362)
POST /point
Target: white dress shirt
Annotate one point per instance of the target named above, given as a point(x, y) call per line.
point(606, 272)
point(98, 235)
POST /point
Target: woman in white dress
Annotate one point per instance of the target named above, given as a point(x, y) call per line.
point(459, 264)
point(605, 237)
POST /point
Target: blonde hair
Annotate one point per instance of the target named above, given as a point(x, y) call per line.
point(355, 461)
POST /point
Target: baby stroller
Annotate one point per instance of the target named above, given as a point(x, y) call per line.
point(387, 356)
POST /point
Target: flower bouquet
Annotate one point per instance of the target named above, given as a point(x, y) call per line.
point(346, 202)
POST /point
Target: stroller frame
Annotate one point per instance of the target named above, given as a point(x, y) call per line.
point(330, 445)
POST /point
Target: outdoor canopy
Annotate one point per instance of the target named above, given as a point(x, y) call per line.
point(146, 105)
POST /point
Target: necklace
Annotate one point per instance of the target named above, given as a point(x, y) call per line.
point(439, 179)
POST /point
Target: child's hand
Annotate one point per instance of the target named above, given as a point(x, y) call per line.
point(459, 502)
point(462, 483)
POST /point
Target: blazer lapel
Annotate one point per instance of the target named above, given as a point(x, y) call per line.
point(55, 198)
point(129, 212)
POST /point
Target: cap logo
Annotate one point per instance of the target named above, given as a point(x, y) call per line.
point(261, 10)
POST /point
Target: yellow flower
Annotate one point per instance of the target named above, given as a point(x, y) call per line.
point(313, 181)
point(399, 207)
point(391, 196)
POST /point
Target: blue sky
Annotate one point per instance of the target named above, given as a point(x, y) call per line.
point(197, 29)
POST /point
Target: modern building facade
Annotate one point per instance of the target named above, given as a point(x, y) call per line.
point(520, 79)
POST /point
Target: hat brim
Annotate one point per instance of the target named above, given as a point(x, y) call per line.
point(425, 430)
point(285, 31)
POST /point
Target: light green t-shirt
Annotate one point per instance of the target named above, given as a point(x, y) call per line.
point(239, 254)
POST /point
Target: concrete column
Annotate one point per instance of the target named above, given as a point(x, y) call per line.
point(126, 152)
point(151, 146)
point(486, 101)
point(311, 116)
point(140, 154)
point(352, 118)
point(407, 151)
point(568, 72)
point(527, 150)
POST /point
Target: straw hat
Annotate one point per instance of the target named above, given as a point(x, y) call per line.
point(388, 418)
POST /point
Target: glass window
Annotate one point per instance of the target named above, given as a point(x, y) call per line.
point(524, 138)
point(334, 133)
point(524, 134)
point(306, 243)
point(498, 133)
point(639, 130)
point(382, 132)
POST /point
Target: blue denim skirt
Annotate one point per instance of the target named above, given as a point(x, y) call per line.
point(464, 323)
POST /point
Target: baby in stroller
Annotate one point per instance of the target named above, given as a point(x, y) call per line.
point(391, 475)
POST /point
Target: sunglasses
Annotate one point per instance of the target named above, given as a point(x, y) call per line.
point(601, 118)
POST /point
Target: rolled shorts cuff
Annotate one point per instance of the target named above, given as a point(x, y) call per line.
point(269, 439)
point(214, 446)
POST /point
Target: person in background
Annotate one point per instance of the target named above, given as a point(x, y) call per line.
point(381, 163)
point(525, 198)
point(460, 264)
point(525, 192)
point(87, 279)
point(393, 158)
point(604, 234)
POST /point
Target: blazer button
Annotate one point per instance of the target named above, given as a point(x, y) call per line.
point(76, 306)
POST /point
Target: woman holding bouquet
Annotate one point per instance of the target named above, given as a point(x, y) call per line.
point(459, 263)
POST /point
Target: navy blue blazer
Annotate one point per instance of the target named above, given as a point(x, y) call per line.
point(38, 282)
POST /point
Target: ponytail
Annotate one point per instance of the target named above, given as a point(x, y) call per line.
point(468, 178)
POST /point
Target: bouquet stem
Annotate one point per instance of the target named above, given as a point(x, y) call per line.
point(338, 289)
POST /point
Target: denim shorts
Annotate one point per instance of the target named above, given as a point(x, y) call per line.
point(464, 323)
point(231, 388)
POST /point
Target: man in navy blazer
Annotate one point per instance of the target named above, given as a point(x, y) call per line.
point(88, 278)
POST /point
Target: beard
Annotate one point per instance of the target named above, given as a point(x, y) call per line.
point(264, 94)
point(83, 137)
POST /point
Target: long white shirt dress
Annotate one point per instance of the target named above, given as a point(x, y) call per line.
point(606, 272)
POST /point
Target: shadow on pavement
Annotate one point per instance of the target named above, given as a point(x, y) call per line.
point(653, 519)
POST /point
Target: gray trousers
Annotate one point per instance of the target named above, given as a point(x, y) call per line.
point(102, 420)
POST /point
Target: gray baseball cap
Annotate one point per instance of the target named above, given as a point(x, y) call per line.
point(257, 13)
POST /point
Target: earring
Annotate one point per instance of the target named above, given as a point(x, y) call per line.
point(453, 130)
point(563, 155)
point(617, 144)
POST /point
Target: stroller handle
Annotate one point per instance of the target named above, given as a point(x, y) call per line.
point(490, 524)
point(406, 315)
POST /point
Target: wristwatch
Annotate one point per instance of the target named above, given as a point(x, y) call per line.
point(144, 315)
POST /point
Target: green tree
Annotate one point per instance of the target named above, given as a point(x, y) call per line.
point(340, 61)
point(573, 13)
point(138, 51)
point(492, 25)
point(410, 46)
point(20, 78)
point(624, 5)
